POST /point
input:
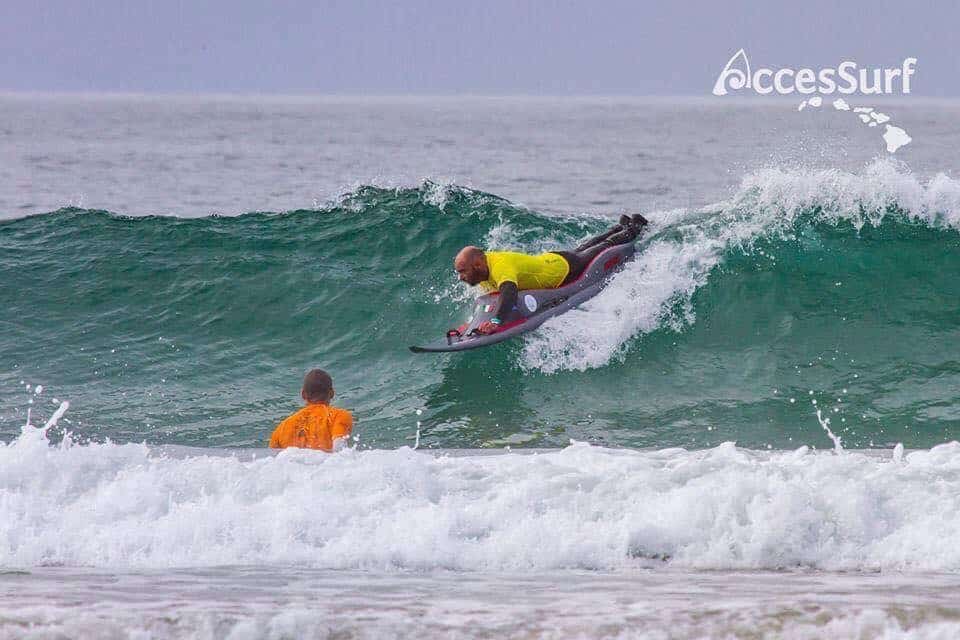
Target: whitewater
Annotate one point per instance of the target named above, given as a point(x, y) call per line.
point(751, 431)
point(133, 506)
point(182, 542)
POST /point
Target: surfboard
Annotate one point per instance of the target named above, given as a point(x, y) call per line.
point(534, 306)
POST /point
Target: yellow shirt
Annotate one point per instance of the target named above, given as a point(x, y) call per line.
point(315, 426)
point(545, 271)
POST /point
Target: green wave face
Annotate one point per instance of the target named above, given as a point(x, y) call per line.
point(197, 331)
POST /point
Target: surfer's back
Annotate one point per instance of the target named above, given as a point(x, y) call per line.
point(317, 425)
point(543, 271)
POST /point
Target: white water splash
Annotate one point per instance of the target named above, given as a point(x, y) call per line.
point(898, 452)
point(416, 442)
point(106, 505)
point(825, 425)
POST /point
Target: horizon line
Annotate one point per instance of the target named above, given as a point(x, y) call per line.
point(706, 96)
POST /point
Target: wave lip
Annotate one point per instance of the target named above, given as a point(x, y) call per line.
point(112, 506)
point(657, 288)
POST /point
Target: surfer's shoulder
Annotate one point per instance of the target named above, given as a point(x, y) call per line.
point(505, 255)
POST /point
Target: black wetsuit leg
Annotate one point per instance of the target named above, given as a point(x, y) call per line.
point(582, 256)
point(600, 238)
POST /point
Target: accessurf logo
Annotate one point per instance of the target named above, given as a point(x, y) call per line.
point(847, 78)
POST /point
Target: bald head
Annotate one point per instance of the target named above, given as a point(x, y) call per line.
point(471, 265)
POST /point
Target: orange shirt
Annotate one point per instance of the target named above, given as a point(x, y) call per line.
point(315, 426)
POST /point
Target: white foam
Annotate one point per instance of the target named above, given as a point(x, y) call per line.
point(461, 606)
point(441, 608)
point(686, 245)
point(106, 505)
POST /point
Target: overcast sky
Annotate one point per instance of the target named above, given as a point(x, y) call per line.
point(479, 47)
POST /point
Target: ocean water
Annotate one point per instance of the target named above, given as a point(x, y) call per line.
point(750, 432)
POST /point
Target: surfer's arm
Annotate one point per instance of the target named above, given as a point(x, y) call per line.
point(508, 300)
point(280, 436)
point(340, 429)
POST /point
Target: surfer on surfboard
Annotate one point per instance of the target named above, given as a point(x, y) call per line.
point(509, 272)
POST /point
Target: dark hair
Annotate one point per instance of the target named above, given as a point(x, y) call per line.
point(317, 385)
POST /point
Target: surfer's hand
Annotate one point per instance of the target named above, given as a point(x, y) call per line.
point(486, 328)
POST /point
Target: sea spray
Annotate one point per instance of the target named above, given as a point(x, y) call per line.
point(416, 442)
point(825, 424)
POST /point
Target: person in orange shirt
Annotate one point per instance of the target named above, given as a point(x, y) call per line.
point(317, 425)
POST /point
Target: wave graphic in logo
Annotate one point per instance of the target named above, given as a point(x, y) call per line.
point(738, 78)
